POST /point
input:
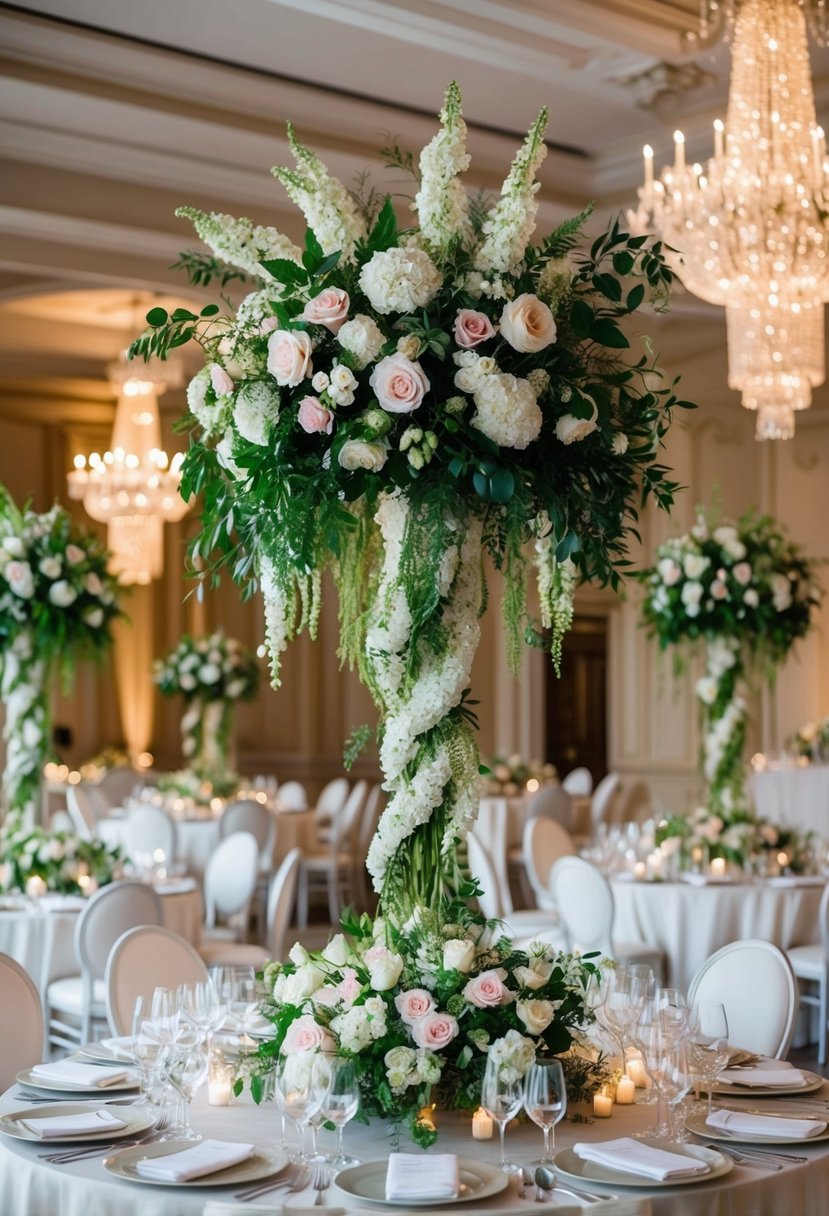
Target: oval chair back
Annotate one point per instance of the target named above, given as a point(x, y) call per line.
point(585, 905)
point(21, 1021)
point(553, 802)
point(281, 902)
point(230, 877)
point(579, 782)
point(754, 982)
point(149, 829)
point(143, 959)
point(544, 842)
point(483, 871)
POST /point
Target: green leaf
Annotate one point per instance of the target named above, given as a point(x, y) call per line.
point(210, 310)
point(313, 254)
point(566, 547)
point(157, 317)
point(286, 272)
point(607, 333)
point(635, 297)
point(581, 318)
point(384, 233)
point(501, 486)
point(184, 314)
point(608, 286)
point(328, 264)
point(623, 262)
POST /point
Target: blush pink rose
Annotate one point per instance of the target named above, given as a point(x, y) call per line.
point(413, 1005)
point(399, 384)
point(434, 1031)
point(329, 308)
point(349, 987)
point(268, 325)
point(487, 990)
point(304, 1034)
point(221, 381)
point(289, 356)
point(313, 416)
point(742, 573)
point(471, 328)
point(75, 555)
point(719, 591)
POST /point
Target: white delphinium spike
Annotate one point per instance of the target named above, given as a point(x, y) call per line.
point(240, 242)
point(441, 202)
point(330, 211)
point(510, 224)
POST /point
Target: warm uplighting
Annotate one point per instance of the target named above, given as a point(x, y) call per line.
point(750, 226)
point(144, 760)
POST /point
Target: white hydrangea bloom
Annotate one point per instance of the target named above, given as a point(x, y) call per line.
point(441, 203)
point(240, 242)
point(255, 410)
point(329, 209)
point(400, 280)
point(212, 415)
point(362, 338)
point(507, 411)
point(254, 309)
point(511, 222)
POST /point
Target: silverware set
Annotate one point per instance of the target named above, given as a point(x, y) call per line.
point(757, 1158)
point(291, 1180)
point(97, 1149)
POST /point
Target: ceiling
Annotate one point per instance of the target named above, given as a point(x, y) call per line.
point(116, 112)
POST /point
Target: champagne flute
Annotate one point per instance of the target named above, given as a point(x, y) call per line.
point(708, 1044)
point(501, 1097)
point(299, 1097)
point(545, 1100)
point(340, 1103)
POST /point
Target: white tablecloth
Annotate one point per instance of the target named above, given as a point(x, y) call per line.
point(29, 1187)
point(796, 797)
point(689, 923)
point(500, 827)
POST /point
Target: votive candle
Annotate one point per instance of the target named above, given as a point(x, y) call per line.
point(482, 1125)
point(625, 1092)
point(602, 1105)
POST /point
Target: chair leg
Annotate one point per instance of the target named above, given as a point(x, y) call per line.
point(302, 899)
point(334, 896)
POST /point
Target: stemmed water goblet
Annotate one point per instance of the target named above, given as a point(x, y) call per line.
point(299, 1095)
point(340, 1102)
point(623, 1005)
point(545, 1100)
point(667, 1066)
point(708, 1044)
point(501, 1096)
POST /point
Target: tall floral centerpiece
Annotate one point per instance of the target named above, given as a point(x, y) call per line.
point(57, 605)
point(394, 403)
point(212, 674)
point(743, 593)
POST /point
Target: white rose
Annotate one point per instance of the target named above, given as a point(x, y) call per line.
point(298, 955)
point(527, 324)
point(21, 579)
point(668, 571)
point(289, 356)
point(94, 617)
point(13, 546)
point(536, 1015)
point(458, 955)
point(187, 681)
point(362, 338)
point(570, 429)
point(50, 567)
point(62, 594)
point(751, 599)
point(694, 565)
point(303, 983)
point(358, 454)
point(725, 535)
point(209, 673)
point(336, 952)
point(691, 594)
point(384, 968)
point(535, 976)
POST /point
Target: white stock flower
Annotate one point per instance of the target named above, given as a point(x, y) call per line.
point(509, 225)
point(507, 411)
point(400, 280)
point(441, 203)
point(362, 338)
point(212, 417)
point(329, 209)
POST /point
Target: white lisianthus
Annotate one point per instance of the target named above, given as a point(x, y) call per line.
point(507, 411)
point(458, 955)
point(50, 567)
point(400, 280)
point(536, 1015)
point(362, 338)
point(62, 594)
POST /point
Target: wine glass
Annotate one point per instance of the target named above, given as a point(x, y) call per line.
point(501, 1096)
point(298, 1095)
point(186, 1068)
point(623, 1005)
point(146, 1050)
point(708, 1044)
point(340, 1102)
point(545, 1100)
point(201, 1007)
point(673, 1012)
point(668, 1070)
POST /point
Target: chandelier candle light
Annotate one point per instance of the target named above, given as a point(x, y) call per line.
point(750, 227)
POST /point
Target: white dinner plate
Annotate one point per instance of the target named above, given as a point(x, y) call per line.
point(98, 1091)
point(367, 1182)
point(571, 1167)
point(108, 1051)
point(811, 1079)
point(262, 1164)
point(698, 1125)
point(134, 1121)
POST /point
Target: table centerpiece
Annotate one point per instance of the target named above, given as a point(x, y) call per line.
point(395, 403)
point(212, 674)
point(512, 775)
point(810, 742)
point(35, 861)
point(57, 604)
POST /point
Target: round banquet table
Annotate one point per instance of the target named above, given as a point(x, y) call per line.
point(794, 796)
point(689, 922)
point(41, 937)
point(31, 1187)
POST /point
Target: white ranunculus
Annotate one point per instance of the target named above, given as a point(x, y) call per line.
point(458, 954)
point(62, 594)
point(50, 567)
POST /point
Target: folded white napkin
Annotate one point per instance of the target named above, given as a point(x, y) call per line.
point(120, 1048)
point(413, 1176)
point(88, 1121)
point(767, 1075)
point(69, 1072)
point(633, 1157)
point(206, 1157)
point(706, 880)
point(764, 1125)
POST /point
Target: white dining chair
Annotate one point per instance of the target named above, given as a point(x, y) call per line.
point(579, 782)
point(331, 801)
point(229, 883)
point(118, 783)
point(81, 812)
point(754, 982)
point(21, 1021)
point(810, 965)
point(585, 905)
point(141, 960)
point(544, 842)
point(248, 815)
point(553, 802)
point(281, 904)
point(603, 798)
point(77, 1002)
point(149, 830)
point(372, 810)
point(292, 796)
point(525, 924)
point(332, 867)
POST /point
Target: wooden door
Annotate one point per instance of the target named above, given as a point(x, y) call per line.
point(576, 704)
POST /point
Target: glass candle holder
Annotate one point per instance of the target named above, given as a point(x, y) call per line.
point(220, 1073)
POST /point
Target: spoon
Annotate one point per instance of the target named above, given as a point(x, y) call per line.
point(525, 1179)
point(546, 1181)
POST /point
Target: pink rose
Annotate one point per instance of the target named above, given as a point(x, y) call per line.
point(268, 325)
point(434, 1031)
point(304, 1034)
point(719, 591)
point(329, 308)
point(471, 328)
point(349, 987)
point(289, 356)
point(75, 555)
point(742, 573)
point(413, 1005)
point(313, 416)
point(399, 384)
point(221, 381)
point(487, 990)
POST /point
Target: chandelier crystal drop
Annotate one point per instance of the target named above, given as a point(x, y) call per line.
point(134, 487)
point(750, 228)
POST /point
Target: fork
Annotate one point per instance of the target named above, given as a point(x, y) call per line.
point(296, 1181)
point(780, 1160)
point(93, 1150)
point(320, 1181)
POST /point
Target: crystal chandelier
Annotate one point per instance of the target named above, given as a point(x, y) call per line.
point(134, 488)
point(750, 227)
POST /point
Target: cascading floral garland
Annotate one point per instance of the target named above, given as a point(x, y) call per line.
point(212, 674)
point(394, 403)
point(57, 605)
point(744, 593)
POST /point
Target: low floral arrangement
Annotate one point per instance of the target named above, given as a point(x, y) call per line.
point(812, 741)
point(744, 593)
point(212, 674)
point(510, 776)
point(423, 1007)
point(57, 605)
point(60, 862)
point(741, 838)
